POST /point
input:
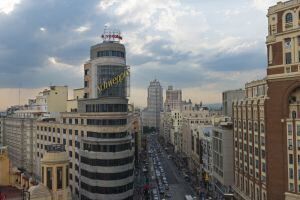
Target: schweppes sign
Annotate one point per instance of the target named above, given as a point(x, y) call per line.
point(114, 81)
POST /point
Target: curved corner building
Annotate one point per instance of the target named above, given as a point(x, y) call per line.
point(107, 148)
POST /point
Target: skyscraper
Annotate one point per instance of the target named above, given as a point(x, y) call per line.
point(173, 99)
point(151, 115)
point(266, 122)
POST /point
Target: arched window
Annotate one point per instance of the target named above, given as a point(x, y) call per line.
point(262, 128)
point(288, 18)
point(255, 126)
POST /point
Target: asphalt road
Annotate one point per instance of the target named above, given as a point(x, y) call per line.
point(178, 186)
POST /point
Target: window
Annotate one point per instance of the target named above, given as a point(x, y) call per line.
point(263, 167)
point(250, 126)
point(294, 114)
point(255, 127)
point(262, 140)
point(263, 154)
point(287, 43)
point(290, 144)
point(292, 187)
point(59, 177)
point(49, 177)
point(42, 174)
point(288, 18)
point(288, 58)
point(262, 128)
point(291, 173)
point(291, 159)
point(290, 129)
point(67, 178)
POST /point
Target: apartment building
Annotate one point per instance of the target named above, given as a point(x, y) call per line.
point(18, 127)
point(72, 104)
point(228, 97)
point(267, 155)
point(222, 153)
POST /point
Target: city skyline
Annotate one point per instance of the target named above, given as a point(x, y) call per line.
point(160, 37)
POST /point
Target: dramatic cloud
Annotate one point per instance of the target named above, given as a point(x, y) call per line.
point(7, 6)
point(203, 47)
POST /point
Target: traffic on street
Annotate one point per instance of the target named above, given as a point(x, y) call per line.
point(167, 182)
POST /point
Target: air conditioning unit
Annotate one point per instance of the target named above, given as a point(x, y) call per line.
point(291, 147)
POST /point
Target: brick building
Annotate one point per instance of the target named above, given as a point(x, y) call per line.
point(267, 121)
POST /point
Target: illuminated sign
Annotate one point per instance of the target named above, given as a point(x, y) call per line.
point(113, 35)
point(114, 81)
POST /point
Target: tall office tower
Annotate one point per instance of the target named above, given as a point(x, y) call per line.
point(227, 99)
point(266, 122)
point(151, 115)
point(98, 133)
point(173, 99)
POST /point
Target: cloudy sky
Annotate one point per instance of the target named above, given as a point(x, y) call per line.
point(203, 47)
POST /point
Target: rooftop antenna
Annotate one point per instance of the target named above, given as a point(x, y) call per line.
point(19, 95)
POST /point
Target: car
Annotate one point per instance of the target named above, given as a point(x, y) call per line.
point(167, 186)
point(168, 195)
point(162, 191)
point(154, 191)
